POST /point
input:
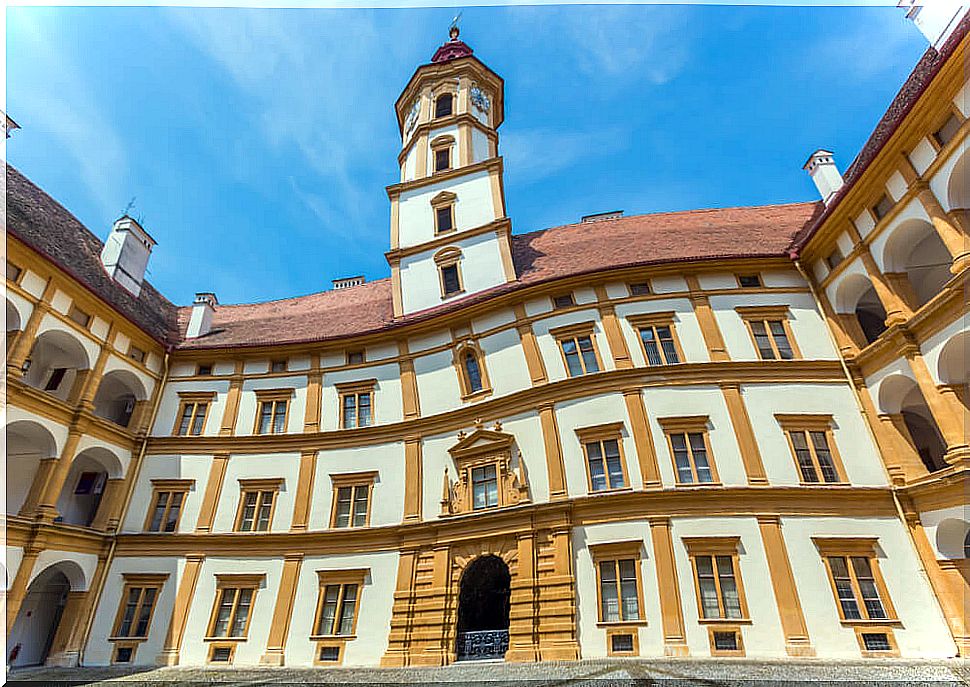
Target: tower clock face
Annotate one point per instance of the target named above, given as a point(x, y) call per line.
point(412, 117)
point(480, 99)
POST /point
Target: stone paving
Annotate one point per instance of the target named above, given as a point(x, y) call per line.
point(688, 672)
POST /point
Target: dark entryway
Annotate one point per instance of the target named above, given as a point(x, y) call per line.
point(483, 609)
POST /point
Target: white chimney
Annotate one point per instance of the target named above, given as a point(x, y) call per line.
point(824, 173)
point(200, 321)
point(125, 253)
point(347, 282)
point(936, 19)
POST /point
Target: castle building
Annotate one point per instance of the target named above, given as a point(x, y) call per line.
point(727, 432)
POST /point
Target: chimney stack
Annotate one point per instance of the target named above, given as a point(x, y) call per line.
point(824, 173)
point(126, 252)
point(200, 321)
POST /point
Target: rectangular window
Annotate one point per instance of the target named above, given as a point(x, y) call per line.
point(355, 357)
point(945, 133)
point(79, 316)
point(444, 219)
point(338, 603)
point(618, 583)
point(605, 465)
point(578, 350)
point(770, 331)
point(882, 207)
point(89, 483)
point(277, 366)
point(564, 300)
point(54, 381)
point(641, 288)
point(689, 450)
point(136, 354)
point(203, 369)
point(451, 282)
point(725, 641)
point(813, 447)
point(442, 159)
point(749, 281)
point(272, 417)
point(659, 346)
point(720, 595)
point(484, 480)
point(138, 600)
point(835, 258)
point(352, 499)
point(233, 607)
point(168, 500)
point(357, 407)
point(192, 413)
point(13, 272)
point(256, 501)
point(855, 578)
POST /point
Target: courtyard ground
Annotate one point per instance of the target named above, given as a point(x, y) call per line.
point(592, 673)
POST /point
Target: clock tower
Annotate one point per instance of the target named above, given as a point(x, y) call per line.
point(450, 236)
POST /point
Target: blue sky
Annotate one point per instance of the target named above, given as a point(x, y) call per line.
point(258, 142)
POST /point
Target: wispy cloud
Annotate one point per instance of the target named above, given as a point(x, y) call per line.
point(67, 109)
point(535, 154)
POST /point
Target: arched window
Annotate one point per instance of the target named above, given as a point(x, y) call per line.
point(470, 365)
point(443, 105)
point(472, 372)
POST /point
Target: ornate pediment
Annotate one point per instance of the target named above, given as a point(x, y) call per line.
point(481, 441)
point(492, 453)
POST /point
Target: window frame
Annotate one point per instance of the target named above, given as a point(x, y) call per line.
point(792, 422)
point(343, 578)
point(272, 396)
point(440, 96)
point(484, 448)
point(202, 366)
point(740, 276)
point(442, 144)
point(714, 547)
point(444, 200)
point(598, 434)
point(357, 351)
point(136, 353)
point(283, 363)
point(171, 487)
point(575, 332)
point(259, 486)
point(654, 320)
point(193, 398)
point(239, 582)
point(686, 425)
point(633, 286)
point(357, 389)
point(767, 314)
point(141, 581)
point(352, 480)
point(951, 112)
point(74, 313)
point(857, 547)
point(449, 257)
point(563, 306)
point(736, 629)
point(878, 215)
point(18, 276)
point(460, 350)
point(615, 552)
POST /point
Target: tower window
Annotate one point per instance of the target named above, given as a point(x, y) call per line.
point(449, 277)
point(443, 106)
point(443, 221)
point(449, 271)
point(442, 159)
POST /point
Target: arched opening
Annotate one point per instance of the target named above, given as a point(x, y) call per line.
point(860, 309)
point(14, 325)
point(900, 396)
point(55, 364)
point(966, 545)
point(118, 394)
point(32, 635)
point(954, 367)
point(483, 609)
point(958, 187)
point(918, 261)
point(85, 485)
point(28, 443)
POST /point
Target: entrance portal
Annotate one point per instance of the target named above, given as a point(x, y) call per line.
point(33, 631)
point(483, 609)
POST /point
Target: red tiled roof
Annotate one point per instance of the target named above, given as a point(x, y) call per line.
point(914, 86)
point(539, 256)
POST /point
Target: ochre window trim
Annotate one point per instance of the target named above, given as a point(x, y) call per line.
point(857, 547)
point(714, 547)
point(170, 486)
point(195, 398)
point(482, 449)
point(342, 578)
point(612, 431)
point(445, 199)
point(449, 257)
point(238, 582)
point(686, 425)
point(464, 383)
point(259, 486)
point(357, 388)
point(141, 581)
point(615, 552)
point(574, 332)
point(352, 480)
point(792, 422)
point(653, 320)
point(765, 314)
point(441, 143)
point(273, 396)
point(718, 627)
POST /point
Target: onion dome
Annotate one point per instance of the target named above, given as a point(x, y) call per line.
point(453, 49)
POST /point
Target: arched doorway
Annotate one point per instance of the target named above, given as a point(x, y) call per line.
point(32, 635)
point(483, 609)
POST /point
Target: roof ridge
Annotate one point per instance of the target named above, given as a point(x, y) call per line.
point(292, 298)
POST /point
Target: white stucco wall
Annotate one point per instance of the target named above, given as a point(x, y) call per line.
point(473, 207)
point(155, 466)
point(269, 466)
point(387, 499)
